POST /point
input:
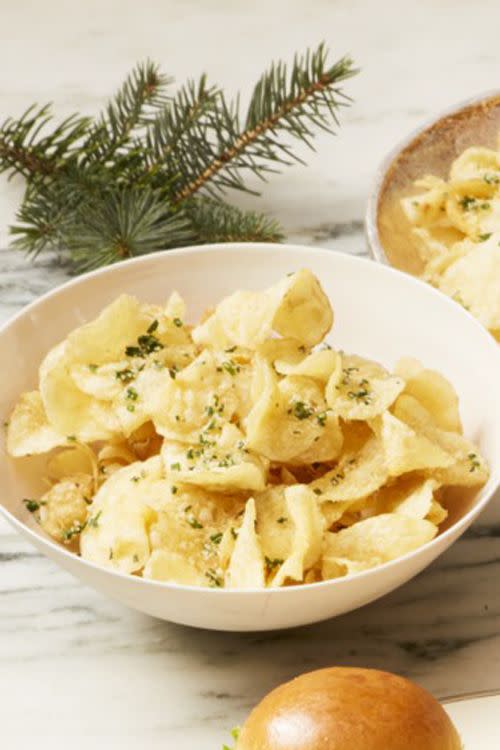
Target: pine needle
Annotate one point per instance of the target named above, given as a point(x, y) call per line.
point(151, 170)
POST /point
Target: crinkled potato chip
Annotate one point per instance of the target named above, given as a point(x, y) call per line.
point(356, 476)
point(219, 461)
point(379, 539)
point(290, 421)
point(64, 508)
point(116, 532)
point(246, 568)
point(362, 389)
point(28, 430)
point(307, 535)
point(244, 452)
point(69, 410)
point(411, 496)
point(474, 281)
point(468, 468)
point(406, 450)
point(295, 308)
point(433, 391)
point(165, 565)
point(456, 225)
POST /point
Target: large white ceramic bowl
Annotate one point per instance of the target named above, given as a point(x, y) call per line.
point(379, 312)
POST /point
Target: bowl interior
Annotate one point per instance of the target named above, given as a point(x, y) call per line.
point(379, 313)
point(431, 151)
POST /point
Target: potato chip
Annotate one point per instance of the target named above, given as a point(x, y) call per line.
point(64, 508)
point(468, 468)
point(116, 533)
point(69, 410)
point(406, 450)
point(246, 568)
point(379, 539)
point(203, 392)
point(433, 391)
point(474, 281)
point(290, 421)
point(318, 365)
point(29, 430)
point(165, 565)
point(356, 476)
point(474, 162)
point(362, 390)
point(296, 308)
point(308, 526)
point(456, 226)
point(79, 459)
point(220, 461)
point(275, 526)
point(411, 496)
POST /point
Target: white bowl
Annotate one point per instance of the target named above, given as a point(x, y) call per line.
point(379, 312)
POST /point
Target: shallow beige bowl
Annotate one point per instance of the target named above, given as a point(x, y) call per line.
point(379, 312)
point(429, 150)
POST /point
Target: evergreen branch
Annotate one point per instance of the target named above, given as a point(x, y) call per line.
point(24, 150)
point(131, 109)
point(171, 131)
point(148, 173)
point(214, 221)
point(310, 94)
point(122, 223)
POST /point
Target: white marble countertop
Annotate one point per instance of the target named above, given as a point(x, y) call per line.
point(77, 668)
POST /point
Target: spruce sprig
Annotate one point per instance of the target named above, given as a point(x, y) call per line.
point(152, 170)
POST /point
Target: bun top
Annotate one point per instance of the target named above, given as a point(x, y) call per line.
point(349, 709)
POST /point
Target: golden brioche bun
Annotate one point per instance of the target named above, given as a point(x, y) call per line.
point(349, 709)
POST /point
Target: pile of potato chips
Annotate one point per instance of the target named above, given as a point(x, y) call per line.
point(456, 225)
point(242, 452)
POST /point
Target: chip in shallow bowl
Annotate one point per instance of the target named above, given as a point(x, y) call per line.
point(437, 188)
point(379, 314)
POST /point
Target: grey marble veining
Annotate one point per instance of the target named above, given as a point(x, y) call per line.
point(77, 668)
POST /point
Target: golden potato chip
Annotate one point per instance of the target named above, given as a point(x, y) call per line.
point(474, 162)
point(296, 308)
point(290, 422)
point(474, 281)
point(28, 430)
point(304, 311)
point(275, 527)
point(78, 459)
point(468, 468)
point(362, 390)
point(406, 450)
point(356, 476)
point(165, 565)
point(246, 568)
point(379, 539)
point(410, 496)
point(308, 527)
point(70, 411)
point(64, 508)
point(433, 391)
point(318, 365)
point(220, 460)
point(202, 393)
point(116, 533)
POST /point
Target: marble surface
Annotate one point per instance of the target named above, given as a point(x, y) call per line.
point(77, 668)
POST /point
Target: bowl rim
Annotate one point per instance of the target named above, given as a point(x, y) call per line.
point(375, 246)
point(257, 248)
